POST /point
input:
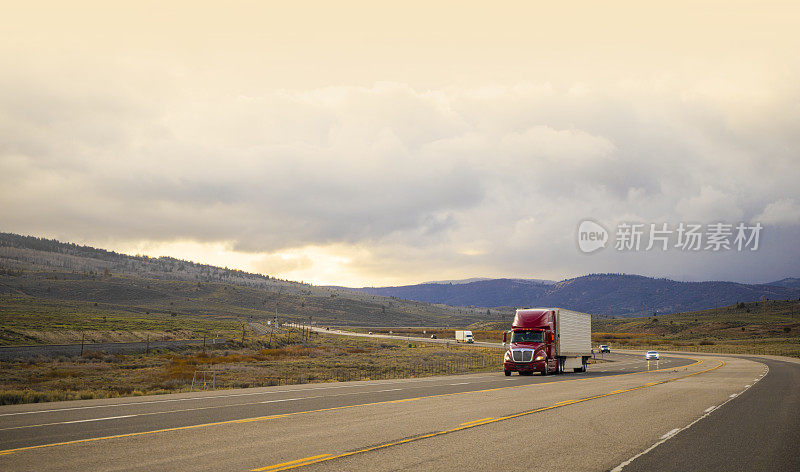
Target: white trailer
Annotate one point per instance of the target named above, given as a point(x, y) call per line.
point(573, 339)
point(464, 337)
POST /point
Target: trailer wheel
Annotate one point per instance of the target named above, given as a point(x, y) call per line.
point(507, 372)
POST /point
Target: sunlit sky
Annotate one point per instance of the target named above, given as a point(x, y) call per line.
point(376, 143)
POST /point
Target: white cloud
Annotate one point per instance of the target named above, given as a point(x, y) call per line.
point(710, 205)
point(386, 182)
point(784, 212)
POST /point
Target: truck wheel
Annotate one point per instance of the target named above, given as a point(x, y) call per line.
point(546, 368)
point(507, 372)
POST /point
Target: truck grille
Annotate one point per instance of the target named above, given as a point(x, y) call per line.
point(522, 355)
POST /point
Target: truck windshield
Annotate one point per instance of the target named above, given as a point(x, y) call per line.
point(527, 337)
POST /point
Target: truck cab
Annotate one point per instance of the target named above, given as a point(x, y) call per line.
point(531, 339)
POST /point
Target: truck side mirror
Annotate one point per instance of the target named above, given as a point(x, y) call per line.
point(505, 336)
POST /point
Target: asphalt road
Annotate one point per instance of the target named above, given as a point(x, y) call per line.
point(757, 430)
point(593, 421)
point(396, 337)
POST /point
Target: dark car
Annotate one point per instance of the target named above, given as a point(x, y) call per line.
point(433, 336)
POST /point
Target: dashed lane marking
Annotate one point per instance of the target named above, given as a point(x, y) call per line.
point(295, 463)
point(476, 421)
point(270, 417)
point(490, 421)
point(707, 412)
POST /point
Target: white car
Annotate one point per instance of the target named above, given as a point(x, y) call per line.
point(651, 355)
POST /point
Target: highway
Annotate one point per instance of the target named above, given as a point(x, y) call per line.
point(597, 421)
point(395, 337)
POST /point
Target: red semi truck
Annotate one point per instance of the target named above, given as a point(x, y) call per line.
point(548, 340)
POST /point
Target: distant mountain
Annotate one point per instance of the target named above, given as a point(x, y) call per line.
point(484, 293)
point(458, 281)
point(792, 282)
point(481, 279)
point(601, 294)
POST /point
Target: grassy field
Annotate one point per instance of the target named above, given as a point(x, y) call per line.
point(767, 327)
point(32, 320)
point(292, 360)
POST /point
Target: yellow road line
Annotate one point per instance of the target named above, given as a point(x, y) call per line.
point(464, 426)
point(406, 400)
point(294, 463)
point(271, 417)
point(476, 421)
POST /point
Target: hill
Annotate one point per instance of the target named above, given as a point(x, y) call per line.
point(600, 294)
point(792, 282)
point(479, 279)
point(768, 327)
point(48, 285)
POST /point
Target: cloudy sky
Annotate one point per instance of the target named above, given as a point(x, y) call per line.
point(368, 143)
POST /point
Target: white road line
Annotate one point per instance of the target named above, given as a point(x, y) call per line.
point(152, 413)
point(460, 383)
point(69, 422)
point(663, 439)
point(670, 434)
point(734, 395)
point(97, 419)
point(709, 409)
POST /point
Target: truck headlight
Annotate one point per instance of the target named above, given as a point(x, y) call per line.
point(507, 357)
point(540, 357)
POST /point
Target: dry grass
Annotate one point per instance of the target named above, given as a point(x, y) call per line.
point(767, 327)
point(320, 359)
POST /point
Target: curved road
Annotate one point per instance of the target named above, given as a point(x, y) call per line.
point(757, 430)
point(596, 421)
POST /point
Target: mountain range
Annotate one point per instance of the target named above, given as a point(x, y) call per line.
point(600, 294)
